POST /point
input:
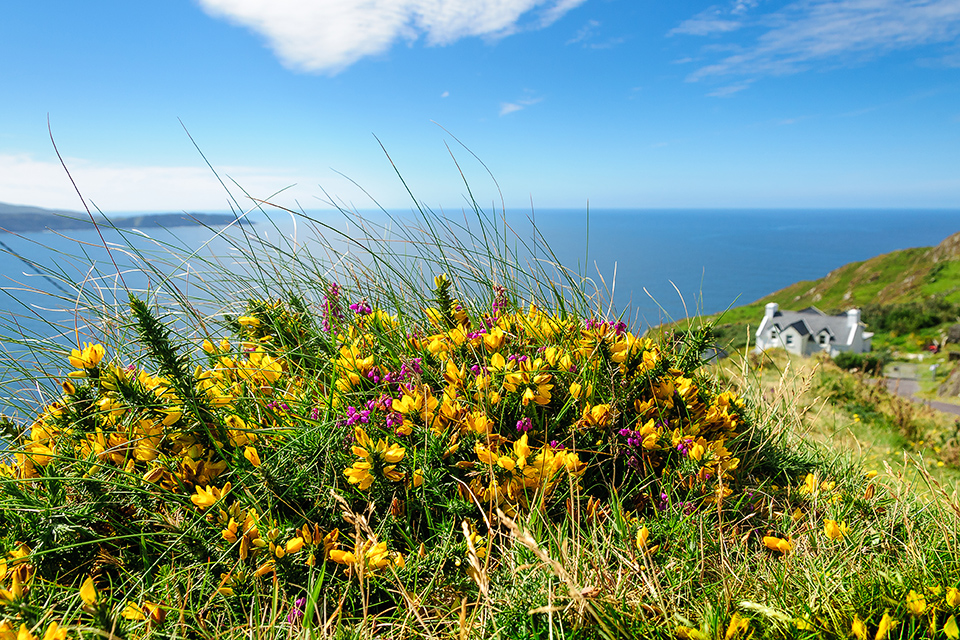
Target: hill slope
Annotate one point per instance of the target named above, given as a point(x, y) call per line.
point(25, 219)
point(908, 276)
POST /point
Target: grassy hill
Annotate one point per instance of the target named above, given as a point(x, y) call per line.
point(25, 219)
point(911, 291)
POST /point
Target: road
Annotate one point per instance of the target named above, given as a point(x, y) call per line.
point(902, 380)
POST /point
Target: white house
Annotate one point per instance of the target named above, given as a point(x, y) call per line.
point(810, 330)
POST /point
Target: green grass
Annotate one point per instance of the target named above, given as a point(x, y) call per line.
point(420, 431)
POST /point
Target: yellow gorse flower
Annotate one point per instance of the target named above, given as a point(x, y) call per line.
point(370, 554)
point(886, 623)
point(88, 357)
point(737, 626)
point(833, 530)
point(916, 603)
point(380, 455)
point(208, 496)
point(858, 628)
point(778, 544)
point(953, 596)
point(950, 628)
point(88, 593)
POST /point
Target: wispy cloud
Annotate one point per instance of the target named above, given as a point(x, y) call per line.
point(588, 34)
point(327, 36)
point(729, 90)
point(585, 33)
point(706, 23)
point(511, 107)
point(807, 33)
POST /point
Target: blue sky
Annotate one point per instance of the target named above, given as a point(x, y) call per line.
point(622, 103)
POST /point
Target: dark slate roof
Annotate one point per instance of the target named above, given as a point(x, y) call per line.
point(801, 327)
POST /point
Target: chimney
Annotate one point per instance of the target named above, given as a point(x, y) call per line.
point(853, 317)
point(772, 308)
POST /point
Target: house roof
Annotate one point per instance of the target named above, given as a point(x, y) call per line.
point(812, 321)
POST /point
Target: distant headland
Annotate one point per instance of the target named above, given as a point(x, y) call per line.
point(25, 219)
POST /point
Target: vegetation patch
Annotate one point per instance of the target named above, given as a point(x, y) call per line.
point(436, 443)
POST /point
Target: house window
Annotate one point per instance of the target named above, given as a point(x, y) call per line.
point(823, 339)
point(789, 339)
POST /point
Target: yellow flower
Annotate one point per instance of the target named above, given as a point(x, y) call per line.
point(250, 453)
point(858, 628)
point(886, 623)
point(382, 454)
point(737, 626)
point(359, 474)
point(374, 556)
point(950, 628)
point(24, 633)
point(88, 592)
point(249, 321)
point(294, 545)
point(809, 485)
point(953, 596)
point(88, 357)
point(916, 603)
point(833, 530)
point(54, 632)
point(642, 535)
point(778, 544)
point(802, 624)
point(14, 592)
point(209, 496)
point(151, 610)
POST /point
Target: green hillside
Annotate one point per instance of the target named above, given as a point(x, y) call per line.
point(908, 291)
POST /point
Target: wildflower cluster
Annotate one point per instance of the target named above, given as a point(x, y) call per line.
point(457, 411)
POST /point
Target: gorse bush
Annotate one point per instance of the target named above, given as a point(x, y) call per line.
point(431, 444)
point(871, 363)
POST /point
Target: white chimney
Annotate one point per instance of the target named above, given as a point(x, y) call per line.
point(772, 308)
point(853, 317)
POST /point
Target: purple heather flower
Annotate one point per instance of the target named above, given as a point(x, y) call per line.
point(296, 612)
point(499, 299)
point(524, 424)
point(332, 313)
point(361, 308)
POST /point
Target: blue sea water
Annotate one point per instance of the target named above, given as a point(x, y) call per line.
point(725, 258)
point(657, 264)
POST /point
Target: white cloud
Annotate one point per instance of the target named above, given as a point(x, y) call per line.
point(329, 35)
point(725, 92)
point(445, 94)
point(585, 32)
point(43, 183)
point(705, 23)
point(510, 107)
point(805, 33)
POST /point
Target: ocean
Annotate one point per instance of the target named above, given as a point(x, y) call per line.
point(656, 265)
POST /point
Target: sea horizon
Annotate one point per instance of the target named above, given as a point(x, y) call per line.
point(653, 264)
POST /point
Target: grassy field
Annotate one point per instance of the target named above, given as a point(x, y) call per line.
point(428, 436)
